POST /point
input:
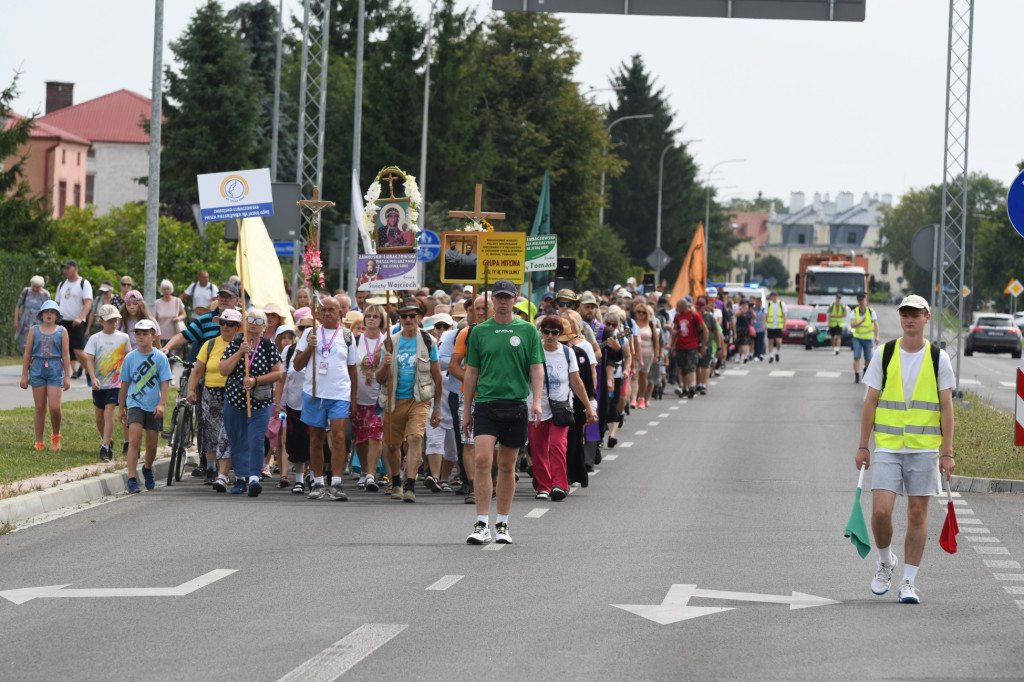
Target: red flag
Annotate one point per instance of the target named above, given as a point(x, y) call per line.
point(947, 539)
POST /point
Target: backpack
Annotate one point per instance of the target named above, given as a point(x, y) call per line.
point(890, 347)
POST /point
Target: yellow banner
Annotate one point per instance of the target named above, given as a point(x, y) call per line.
point(483, 257)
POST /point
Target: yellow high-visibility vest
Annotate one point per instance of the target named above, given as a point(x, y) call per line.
point(774, 317)
point(836, 315)
point(916, 424)
point(862, 326)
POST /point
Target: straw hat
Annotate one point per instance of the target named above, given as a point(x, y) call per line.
point(381, 298)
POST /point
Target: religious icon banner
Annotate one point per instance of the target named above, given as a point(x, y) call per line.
point(381, 271)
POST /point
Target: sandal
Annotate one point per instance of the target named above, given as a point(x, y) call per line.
point(284, 482)
point(55, 442)
point(39, 446)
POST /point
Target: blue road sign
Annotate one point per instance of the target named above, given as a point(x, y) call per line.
point(284, 249)
point(1015, 203)
point(428, 246)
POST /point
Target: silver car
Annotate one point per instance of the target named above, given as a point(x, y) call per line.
point(993, 333)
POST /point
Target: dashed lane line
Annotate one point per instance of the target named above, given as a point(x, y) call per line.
point(340, 657)
point(536, 513)
point(627, 444)
point(829, 375)
point(641, 433)
point(653, 423)
point(664, 415)
point(445, 582)
point(610, 458)
point(781, 373)
point(736, 372)
point(493, 547)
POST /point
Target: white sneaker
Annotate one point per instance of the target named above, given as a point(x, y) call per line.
point(501, 534)
point(883, 576)
point(908, 593)
point(481, 534)
point(362, 481)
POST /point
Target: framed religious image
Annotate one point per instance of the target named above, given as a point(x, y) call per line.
point(393, 226)
point(459, 250)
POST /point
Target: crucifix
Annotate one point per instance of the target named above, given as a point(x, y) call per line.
point(390, 178)
point(476, 215)
point(315, 205)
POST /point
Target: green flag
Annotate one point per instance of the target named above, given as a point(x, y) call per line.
point(857, 530)
point(542, 225)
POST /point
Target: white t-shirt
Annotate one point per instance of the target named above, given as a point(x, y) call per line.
point(108, 352)
point(558, 379)
point(71, 297)
point(910, 367)
point(334, 384)
point(293, 381)
point(202, 297)
point(365, 350)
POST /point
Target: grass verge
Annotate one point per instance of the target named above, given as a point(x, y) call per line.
point(80, 440)
point(983, 441)
point(8, 360)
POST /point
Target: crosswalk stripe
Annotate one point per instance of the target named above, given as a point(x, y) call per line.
point(781, 373)
point(829, 375)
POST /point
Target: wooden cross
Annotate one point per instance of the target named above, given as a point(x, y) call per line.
point(390, 179)
point(476, 215)
point(315, 205)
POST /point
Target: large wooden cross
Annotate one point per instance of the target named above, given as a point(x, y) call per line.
point(315, 205)
point(476, 215)
point(390, 179)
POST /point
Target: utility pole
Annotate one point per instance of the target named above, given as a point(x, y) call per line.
point(153, 183)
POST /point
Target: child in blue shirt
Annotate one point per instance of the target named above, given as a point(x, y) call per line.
point(145, 380)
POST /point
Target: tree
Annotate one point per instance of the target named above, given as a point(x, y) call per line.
point(771, 269)
point(24, 222)
point(256, 26)
point(212, 106)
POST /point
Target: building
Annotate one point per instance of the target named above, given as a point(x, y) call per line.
point(839, 226)
point(55, 165)
point(113, 123)
point(752, 225)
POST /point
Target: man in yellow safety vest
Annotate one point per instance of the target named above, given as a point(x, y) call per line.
point(909, 434)
point(864, 324)
point(775, 322)
point(836, 319)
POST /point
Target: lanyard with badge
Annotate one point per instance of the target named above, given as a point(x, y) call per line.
point(369, 358)
point(326, 349)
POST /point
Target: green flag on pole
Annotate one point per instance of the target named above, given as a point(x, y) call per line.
point(856, 529)
point(542, 225)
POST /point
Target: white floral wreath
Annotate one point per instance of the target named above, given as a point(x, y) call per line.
point(412, 190)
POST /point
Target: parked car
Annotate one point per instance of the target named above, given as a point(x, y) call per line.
point(798, 318)
point(817, 331)
point(993, 333)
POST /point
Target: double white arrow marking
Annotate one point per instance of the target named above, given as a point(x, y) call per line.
point(674, 607)
point(58, 592)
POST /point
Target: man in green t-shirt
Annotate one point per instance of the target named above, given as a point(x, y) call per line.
point(504, 360)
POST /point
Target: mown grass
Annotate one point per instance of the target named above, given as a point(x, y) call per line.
point(80, 441)
point(8, 360)
point(983, 441)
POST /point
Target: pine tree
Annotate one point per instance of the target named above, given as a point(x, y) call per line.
point(23, 218)
point(256, 24)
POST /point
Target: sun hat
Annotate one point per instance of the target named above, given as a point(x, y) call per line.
point(229, 315)
point(49, 305)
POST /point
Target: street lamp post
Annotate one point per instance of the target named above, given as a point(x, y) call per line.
point(600, 215)
point(657, 237)
point(707, 207)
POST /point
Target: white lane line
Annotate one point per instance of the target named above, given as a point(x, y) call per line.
point(641, 433)
point(829, 375)
point(536, 513)
point(1008, 576)
point(1008, 384)
point(445, 582)
point(674, 407)
point(653, 423)
point(1014, 589)
point(963, 510)
point(627, 444)
point(975, 530)
point(493, 546)
point(981, 538)
point(959, 503)
point(664, 415)
point(1020, 603)
point(969, 382)
point(712, 383)
point(781, 373)
point(337, 659)
point(1001, 563)
point(991, 550)
point(736, 372)
point(610, 458)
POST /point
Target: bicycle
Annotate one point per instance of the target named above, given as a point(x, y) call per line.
point(186, 421)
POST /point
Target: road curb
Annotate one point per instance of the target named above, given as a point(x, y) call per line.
point(22, 508)
point(968, 484)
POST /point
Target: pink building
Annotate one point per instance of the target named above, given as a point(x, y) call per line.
point(55, 165)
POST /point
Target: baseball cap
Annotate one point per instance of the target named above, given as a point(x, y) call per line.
point(915, 301)
point(229, 288)
point(106, 286)
point(108, 312)
point(70, 263)
point(229, 315)
point(284, 329)
point(861, 296)
point(142, 325)
point(688, 299)
point(587, 297)
point(133, 295)
point(505, 287)
point(712, 292)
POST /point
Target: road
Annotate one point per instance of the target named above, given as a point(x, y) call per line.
point(719, 509)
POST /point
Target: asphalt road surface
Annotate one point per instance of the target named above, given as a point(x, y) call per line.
point(726, 511)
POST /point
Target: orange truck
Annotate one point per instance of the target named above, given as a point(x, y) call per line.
point(823, 275)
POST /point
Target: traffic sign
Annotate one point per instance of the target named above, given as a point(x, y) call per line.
point(428, 246)
point(1015, 203)
point(1018, 429)
point(1014, 288)
point(658, 259)
point(284, 249)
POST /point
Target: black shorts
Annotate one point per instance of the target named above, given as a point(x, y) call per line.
point(76, 336)
point(297, 437)
point(105, 396)
point(835, 331)
point(137, 415)
point(510, 433)
point(774, 333)
point(704, 361)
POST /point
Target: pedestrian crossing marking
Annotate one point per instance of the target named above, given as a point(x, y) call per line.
point(627, 444)
point(736, 372)
point(610, 458)
point(829, 375)
point(536, 513)
point(781, 373)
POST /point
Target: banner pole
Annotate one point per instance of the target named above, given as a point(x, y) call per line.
point(243, 261)
point(387, 344)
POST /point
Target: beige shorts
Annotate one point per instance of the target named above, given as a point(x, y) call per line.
point(409, 418)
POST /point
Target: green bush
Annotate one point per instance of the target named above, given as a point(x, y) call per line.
point(18, 268)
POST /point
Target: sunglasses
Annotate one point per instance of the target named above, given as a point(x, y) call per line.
point(442, 326)
point(126, 284)
point(611, 324)
point(303, 328)
point(564, 304)
point(255, 320)
point(409, 316)
point(551, 332)
point(229, 324)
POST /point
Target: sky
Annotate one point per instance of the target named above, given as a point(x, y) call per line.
point(805, 106)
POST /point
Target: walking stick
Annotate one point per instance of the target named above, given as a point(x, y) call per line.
point(387, 344)
point(312, 302)
point(245, 326)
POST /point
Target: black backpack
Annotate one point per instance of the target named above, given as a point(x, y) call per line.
point(890, 347)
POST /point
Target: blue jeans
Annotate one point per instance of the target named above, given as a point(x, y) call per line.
point(864, 346)
point(245, 434)
point(759, 343)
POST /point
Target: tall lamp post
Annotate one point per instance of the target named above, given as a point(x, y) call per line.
point(707, 206)
point(600, 215)
point(661, 176)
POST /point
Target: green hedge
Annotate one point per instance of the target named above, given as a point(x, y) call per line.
point(18, 269)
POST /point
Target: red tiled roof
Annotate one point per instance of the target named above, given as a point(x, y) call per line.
point(45, 131)
point(114, 117)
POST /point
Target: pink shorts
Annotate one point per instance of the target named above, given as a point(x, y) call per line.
point(366, 425)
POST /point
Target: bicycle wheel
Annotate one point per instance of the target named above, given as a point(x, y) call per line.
point(186, 428)
point(176, 437)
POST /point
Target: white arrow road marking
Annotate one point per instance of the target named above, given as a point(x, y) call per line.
point(337, 659)
point(57, 591)
point(674, 607)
